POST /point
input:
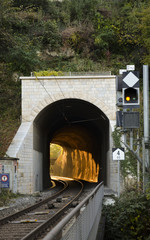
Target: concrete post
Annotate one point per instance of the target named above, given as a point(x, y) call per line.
point(146, 112)
point(146, 125)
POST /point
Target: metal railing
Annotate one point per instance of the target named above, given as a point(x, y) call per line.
point(82, 222)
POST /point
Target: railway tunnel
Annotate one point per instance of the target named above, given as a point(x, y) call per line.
point(82, 130)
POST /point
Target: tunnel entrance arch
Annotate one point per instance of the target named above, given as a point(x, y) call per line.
point(53, 106)
point(82, 129)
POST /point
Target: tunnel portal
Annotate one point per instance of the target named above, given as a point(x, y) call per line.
point(82, 130)
point(75, 111)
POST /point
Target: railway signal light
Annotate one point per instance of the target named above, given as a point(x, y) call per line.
point(131, 95)
point(128, 96)
point(130, 89)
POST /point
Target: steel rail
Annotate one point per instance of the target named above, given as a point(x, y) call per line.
point(32, 207)
point(37, 231)
point(57, 230)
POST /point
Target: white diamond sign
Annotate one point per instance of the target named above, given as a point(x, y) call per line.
point(130, 79)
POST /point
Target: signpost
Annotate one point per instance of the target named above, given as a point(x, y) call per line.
point(4, 180)
point(118, 154)
point(128, 86)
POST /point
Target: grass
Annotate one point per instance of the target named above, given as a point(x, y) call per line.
point(6, 195)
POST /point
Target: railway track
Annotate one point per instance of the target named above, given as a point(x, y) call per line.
point(31, 222)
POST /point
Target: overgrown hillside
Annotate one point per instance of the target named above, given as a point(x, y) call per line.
point(72, 35)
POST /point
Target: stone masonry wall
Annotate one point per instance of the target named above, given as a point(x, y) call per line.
point(39, 93)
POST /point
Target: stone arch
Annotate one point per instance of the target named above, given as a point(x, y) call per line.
point(85, 131)
point(95, 94)
point(91, 98)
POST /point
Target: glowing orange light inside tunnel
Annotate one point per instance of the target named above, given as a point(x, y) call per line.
point(75, 164)
point(127, 98)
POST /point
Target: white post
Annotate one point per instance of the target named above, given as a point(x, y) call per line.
point(138, 163)
point(118, 178)
point(146, 111)
point(143, 155)
point(146, 123)
point(131, 139)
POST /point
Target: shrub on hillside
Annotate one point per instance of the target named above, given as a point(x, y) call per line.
point(128, 218)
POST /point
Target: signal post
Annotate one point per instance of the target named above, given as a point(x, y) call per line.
point(128, 98)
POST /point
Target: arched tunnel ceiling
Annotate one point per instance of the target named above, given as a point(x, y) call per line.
point(76, 137)
point(73, 123)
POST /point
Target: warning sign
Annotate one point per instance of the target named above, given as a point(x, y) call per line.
point(4, 180)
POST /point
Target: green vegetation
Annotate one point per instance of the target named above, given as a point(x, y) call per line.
point(37, 35)
point(55, 151)
point(128, 218)
point(51, 37)
point(6, 195)
point(129, 166)
point(48, 73)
